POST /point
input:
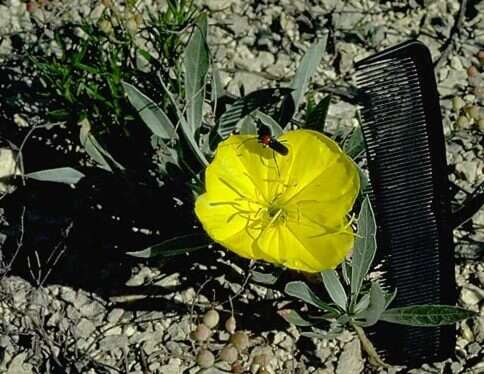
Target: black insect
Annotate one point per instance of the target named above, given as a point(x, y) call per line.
point(264, 136)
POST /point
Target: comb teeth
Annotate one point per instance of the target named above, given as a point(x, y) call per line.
point(402, 129)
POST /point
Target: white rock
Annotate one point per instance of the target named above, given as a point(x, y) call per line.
point(115, 315)
point(350, 360)
point(8, 168)
point(85, 328)
point(469, 297)
point(19, 366)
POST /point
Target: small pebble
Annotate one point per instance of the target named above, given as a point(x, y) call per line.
point(463, 122)
point(480, 56)
point(469, 297)
point(472, 71)
point(229, 354)
point(473, 111)
point(457, 104)
point(240, 340)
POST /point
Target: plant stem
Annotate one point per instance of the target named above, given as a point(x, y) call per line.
point(373, 356)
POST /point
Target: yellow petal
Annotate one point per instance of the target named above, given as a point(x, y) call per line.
point(225, 224)
point(302, 248)
point(323, 181)
point(244, 163)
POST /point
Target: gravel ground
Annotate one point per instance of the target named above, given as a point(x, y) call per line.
point(255, 43)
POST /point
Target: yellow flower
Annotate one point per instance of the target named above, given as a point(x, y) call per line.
point(288, 210)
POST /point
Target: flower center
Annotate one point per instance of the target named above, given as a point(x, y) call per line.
point(273, 210)
point(276, 214)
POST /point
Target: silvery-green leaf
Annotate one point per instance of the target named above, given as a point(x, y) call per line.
point(276, 129)
point(151, 114)
point(293, 317)
point(196, 61)
point(164, 154)
point(354, 145)
point(186, 129)
point(346, 271)
point(335, 288)
point(343, 319)
point(65, 175)
point(316, 119)
point(364, 247)
point(217, 85)
point(92, 147)
point(95, 150)
point(362, 304)
point(426, 315)
point(301, 290)
point(245, 105)
point(175, 246)
point(307, 68)
point(377, 305)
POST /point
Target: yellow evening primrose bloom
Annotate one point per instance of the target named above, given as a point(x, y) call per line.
point(289, 210)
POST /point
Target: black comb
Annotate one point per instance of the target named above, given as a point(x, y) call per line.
point(402, 129)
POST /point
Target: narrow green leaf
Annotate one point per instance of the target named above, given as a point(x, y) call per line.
point(335, 288)
point(376, 307)
point(58, 114)
point(316, 118)
point(65, 175)
point(259, 99)
point(300, 290)
point(95, 150)
point(307, 68)
point(153, 116)
point(346, 271)
point(364, 248)
point(186, 129)
point(362, 304)
point(196, 67)
point(175, 246)
point(276, 129)
point(426, 315)
point(165, 155)
point(354, 145)
point(293, 317)
point(217, 85)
